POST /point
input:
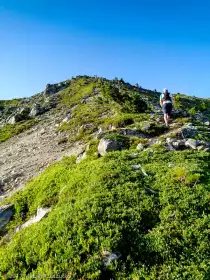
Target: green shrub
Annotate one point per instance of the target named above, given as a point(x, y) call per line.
point(158, 224)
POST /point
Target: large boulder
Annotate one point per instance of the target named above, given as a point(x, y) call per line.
point(109, 145)
point(6, 213)
point(176, 144)
point(36, 110)
point(12, 120)
point(20, 115)
point(189, 131)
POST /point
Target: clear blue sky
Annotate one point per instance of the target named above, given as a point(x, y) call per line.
point(156, 43)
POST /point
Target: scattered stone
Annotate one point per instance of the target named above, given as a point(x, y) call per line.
point(101, 129)
point(135, 166)
point(170, 140)
point(42, 131)
point(86, 126)
point(6, 213)
point(176, 144)
point(12, 120)
point(199, 148)
point(191, 143)
point(136, 155)
point(81, 157)
point(108, 257)
point(131, 132)
point(108, 145)
point(150, 191)
point(146, 127)
point(155, 141)
point(140, 147)
point(41, 213)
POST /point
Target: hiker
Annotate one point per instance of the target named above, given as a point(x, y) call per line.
point(166, 104)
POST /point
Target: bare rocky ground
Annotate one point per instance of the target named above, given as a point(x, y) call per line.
point(30, 153)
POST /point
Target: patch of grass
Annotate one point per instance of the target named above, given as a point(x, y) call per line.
point(79, 89)
point(7, 103)
point(182, 120)
point(10, 130)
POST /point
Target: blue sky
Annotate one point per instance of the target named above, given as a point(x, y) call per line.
point(155, 43)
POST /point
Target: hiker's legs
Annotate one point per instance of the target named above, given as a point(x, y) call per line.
point(166, 119)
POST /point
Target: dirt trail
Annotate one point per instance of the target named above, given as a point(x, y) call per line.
point(28, 154)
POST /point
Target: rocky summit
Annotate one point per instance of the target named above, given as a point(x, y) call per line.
point(93, 185)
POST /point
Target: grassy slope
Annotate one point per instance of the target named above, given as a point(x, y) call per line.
point(158, 223)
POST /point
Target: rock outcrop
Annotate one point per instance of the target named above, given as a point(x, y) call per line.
point(109, 145)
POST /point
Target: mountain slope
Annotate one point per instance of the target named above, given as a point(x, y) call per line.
point(138, 213)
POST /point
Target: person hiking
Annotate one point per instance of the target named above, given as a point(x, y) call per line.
point(166, 104)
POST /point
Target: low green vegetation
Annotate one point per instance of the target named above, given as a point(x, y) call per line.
point(157, 224)
point(192, 105)
point(150, 208)
point(7, 103)
point(10, 130)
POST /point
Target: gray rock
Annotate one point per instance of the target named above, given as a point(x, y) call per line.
point(191, 143)
point(12, 120)
point(22, 114)
point(155, 141)
point(50, 89)
point(41, 212)
point(207, 123)
point(86, 126)
point(81, 157)
point(135, 166)
point(131, 132)
point(204, 143)
point(6, 213)
point(175, 144)
point(138, 167)
point(108, 257)
point(136, 155)
point(199, 148)
point(140, 147)
point(108, 145)
point(36, 110)
point(146, 127)
point(150, 191)
point(189, 132)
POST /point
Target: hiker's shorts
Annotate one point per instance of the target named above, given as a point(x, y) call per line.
point(167, 108)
